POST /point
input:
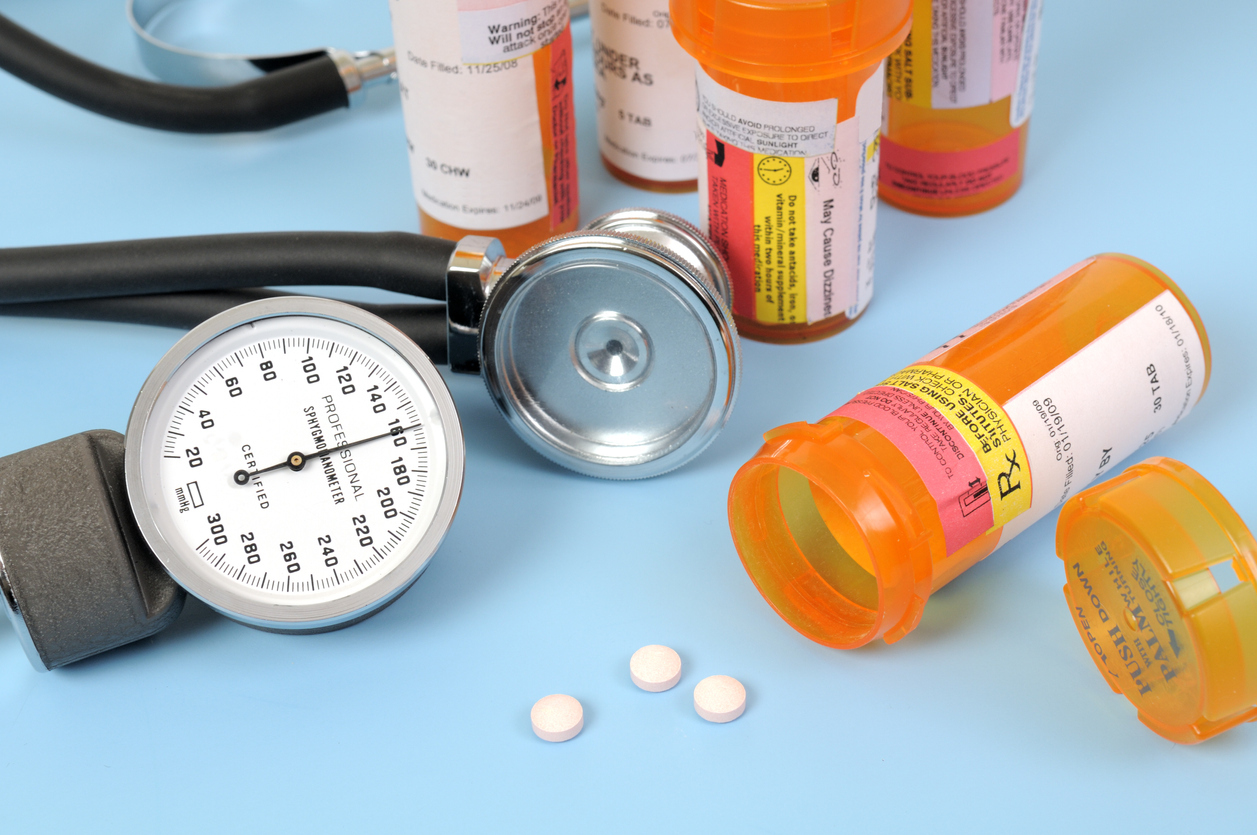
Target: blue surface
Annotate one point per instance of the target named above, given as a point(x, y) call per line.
point(989, 717)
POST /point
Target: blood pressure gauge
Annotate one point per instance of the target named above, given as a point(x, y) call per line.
point(294, 463)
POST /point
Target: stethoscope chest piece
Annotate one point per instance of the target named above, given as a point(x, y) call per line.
point(610, 354)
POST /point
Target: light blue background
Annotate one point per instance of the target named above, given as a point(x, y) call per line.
point(990, 716)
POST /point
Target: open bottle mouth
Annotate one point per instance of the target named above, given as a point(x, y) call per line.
point(806, 555)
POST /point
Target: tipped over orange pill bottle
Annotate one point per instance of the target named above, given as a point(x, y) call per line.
point(1162, 584)
point(490, 124)
point(958, 99)
point(790, 104)
point(848, 525)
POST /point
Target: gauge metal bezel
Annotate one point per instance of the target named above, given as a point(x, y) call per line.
point(13, 610)
point(298, 617)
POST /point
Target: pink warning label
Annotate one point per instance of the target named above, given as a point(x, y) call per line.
point(954, 173)
point(563, 186)
point(939, 454)
point(730, 205)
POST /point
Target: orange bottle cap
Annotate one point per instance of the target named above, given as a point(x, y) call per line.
point(1161, 586)
point(790, 40)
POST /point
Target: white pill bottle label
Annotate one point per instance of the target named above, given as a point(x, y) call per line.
point(644, 85)
point(968, 53)
point(478, 118)
point(1098, 407)
point(788, 194)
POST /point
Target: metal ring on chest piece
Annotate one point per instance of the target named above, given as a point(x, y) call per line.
point(610, 355)
point(677, 236)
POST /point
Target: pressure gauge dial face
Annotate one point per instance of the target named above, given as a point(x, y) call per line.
point(295, 463)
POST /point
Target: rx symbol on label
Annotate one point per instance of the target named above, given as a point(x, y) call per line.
point(1005, 480)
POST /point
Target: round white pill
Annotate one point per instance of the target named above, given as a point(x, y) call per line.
point(557, 718)
point(720, 698)
point(655, 668)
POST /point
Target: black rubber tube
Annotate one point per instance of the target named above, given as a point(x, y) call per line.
point(278, 98)
point(398, 261)
point(423, 323)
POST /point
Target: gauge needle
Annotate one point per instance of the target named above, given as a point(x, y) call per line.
point(297, 460)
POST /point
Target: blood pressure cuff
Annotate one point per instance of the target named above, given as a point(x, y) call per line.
point(76, 577)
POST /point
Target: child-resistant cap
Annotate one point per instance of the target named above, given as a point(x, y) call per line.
point(1161, 587)
point(790, 40)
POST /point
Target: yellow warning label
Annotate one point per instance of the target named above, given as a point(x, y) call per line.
point(908, 71)
point(779, 216)
point(984, 426)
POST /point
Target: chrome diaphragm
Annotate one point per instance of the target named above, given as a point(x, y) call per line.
point(611, 350)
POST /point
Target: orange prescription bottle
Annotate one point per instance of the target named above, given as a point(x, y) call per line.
point(487, 101)
point(848, 525)
point(958, 98)
point(1162, 585)
point(790, 104)
point(644, 83)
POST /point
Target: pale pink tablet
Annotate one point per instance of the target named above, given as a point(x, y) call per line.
point(655, 668)
point(557, 718)
point(720, 698)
